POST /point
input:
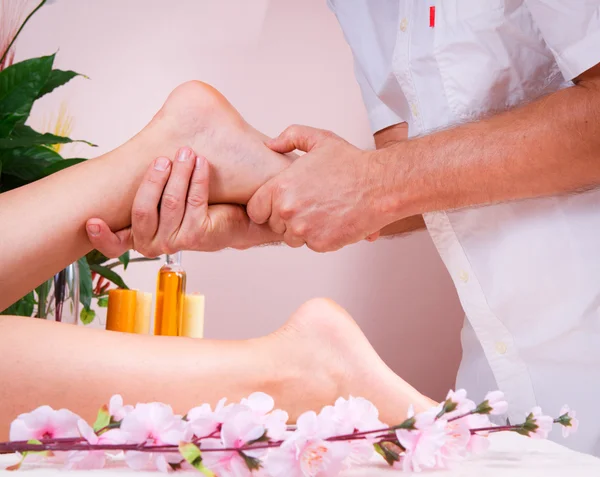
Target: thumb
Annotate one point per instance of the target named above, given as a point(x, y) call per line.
point(294, 137)
point(103, 239)
point(259, 206)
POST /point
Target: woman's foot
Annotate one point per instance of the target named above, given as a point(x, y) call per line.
point(325, 355)
point(197, 115)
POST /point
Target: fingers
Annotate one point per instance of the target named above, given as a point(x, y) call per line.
point(293, 240)
point(173, 201)
point(259, 205)
point(144, 213)
point(111, 244)
point(230, 226)
point(196, 207)
point(303, 138)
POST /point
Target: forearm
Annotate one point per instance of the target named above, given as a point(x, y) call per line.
point(78, 368)
point(547, 147)
point(384, 139)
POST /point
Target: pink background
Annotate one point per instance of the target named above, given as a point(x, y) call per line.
point(279, 63)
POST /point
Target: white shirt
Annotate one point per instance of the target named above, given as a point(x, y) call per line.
point(527, 272)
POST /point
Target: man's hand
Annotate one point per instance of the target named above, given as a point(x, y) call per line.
point(334, 195)
point(171, 213)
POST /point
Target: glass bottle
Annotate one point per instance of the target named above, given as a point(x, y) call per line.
point(170, 295)
point(58, 298)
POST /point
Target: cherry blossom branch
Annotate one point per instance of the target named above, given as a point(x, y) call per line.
point(251, 432)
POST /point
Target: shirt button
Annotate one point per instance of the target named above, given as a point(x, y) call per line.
point(464, 276)
point(404, 24)
point(501, 347)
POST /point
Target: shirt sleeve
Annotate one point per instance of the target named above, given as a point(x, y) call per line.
point(380, 115)
point(571, 30)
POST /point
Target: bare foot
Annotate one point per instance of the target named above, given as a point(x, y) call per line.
point(328, 356)
point(197, 115)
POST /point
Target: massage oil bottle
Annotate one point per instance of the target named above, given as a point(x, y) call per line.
point(170, 295)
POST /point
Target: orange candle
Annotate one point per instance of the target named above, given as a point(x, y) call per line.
point(120, 315)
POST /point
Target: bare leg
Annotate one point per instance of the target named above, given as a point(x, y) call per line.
point(317, 356)
point(43, 224)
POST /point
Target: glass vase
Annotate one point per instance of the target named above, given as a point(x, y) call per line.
point(58, 298)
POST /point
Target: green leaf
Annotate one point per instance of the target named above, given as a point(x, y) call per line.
point(58, 78)
point(103, 301)
point(28, 163)
point(24, 136)
point(59, 166)
point(109, 275)
point(124, 259)
point(85, 283)
point(20, 85)
point(193, 456)
point(23, 307)
point(102, 419)
point(96, 258)
point(17, 466)
point(87, 315)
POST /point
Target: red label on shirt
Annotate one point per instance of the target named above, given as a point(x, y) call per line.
point(431, 17)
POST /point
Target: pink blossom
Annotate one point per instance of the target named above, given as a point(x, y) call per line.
point(350, 416)
point(496, 401)
point(153, 424)
point(463, 405)
point(423, 444)
point(306, 453)
point(93, 459)
point(479, 442)
point(242, 428)
point(203, 421)
point(260, 403)
point(543, 424)
point(116, 410)
point(354, 415)
point(275, 421)
point(458, 436)
point(570, 424)
point(44, 423)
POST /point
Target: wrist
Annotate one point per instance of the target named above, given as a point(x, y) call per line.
point(396, 192)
